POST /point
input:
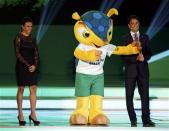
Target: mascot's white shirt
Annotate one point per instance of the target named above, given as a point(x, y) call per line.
point(94, 68)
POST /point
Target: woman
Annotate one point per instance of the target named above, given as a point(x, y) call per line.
point(27, 60)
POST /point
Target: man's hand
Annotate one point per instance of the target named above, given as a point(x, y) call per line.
point(140, 57)
point(32, 68)
point(98, 54)
point(134, 43)
point(138, 44)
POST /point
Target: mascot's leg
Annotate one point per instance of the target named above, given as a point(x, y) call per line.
point(96, 116)
point(80, 115)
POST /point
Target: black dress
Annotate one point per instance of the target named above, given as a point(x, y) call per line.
point(26, 55)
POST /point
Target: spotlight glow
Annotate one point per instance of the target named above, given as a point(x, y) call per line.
point(49, 12)
point(107, 4)
point(160, 19)
point(159, 56)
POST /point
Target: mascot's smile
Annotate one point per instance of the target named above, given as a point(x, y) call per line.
point(96, 45)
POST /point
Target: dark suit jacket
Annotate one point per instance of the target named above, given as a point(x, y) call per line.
point(133, 68)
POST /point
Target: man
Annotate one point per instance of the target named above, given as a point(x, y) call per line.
point(136, 71)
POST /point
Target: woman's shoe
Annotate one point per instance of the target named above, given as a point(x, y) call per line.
point(36, 123)
point(21, 123)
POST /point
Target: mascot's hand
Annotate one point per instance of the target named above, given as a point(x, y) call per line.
point(88, 56)
point(98, 54)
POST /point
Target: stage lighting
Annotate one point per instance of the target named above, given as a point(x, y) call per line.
point(160, 19)
point(107, 4)
point(159, 56)
point(48, 14)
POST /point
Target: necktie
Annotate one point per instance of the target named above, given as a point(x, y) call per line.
point(136, 37)
point(137, 40)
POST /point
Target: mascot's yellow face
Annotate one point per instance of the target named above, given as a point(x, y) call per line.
point(94, 28)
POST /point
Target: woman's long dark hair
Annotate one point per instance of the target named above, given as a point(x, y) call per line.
point(26, 19)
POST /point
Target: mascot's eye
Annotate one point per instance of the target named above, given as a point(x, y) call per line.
point(83, 32)
point(109, 33)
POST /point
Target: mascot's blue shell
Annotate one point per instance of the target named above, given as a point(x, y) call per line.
point(98, 22)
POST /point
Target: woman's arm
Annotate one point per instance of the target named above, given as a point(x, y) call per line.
point(36, 55)
point(17, 52)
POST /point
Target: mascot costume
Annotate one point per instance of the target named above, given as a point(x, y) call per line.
point(93, 30)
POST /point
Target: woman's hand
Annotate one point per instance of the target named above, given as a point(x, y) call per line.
point(32, 68)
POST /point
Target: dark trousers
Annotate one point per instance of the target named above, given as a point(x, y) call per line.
point(143, 88)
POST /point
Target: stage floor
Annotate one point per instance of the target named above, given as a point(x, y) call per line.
point(59, 119)
point(54, 112)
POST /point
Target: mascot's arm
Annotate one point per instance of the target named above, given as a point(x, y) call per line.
point(126, 50)
point(85, 55)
